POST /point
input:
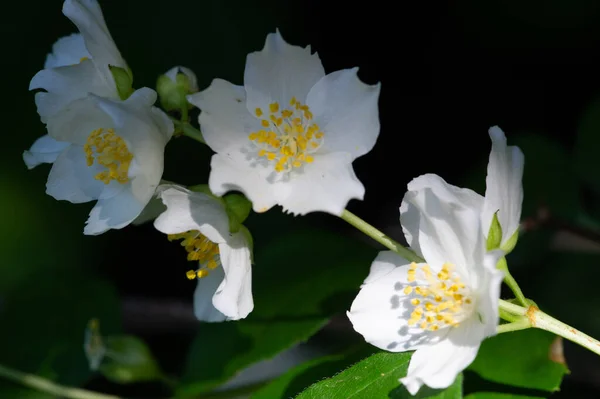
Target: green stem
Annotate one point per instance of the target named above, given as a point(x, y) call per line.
point(511, 308)
point(521, 324)
point(512, 284)
point(538, 319)
point(188, 130)
point(41, 384)
point(504, 315)
point(380, 237)
point(546, 322)
point(184, 114)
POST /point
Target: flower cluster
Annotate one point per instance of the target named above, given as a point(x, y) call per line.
point(287, 137)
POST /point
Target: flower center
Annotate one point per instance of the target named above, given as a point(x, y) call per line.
point(200, 249)
point(288, 137)
point(444, 300)
point(110, 151)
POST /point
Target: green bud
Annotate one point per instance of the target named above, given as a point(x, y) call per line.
point(174, 86)
point(494, 238)
point(123, 80)
point(510, 244)
point(238, 208)
point(93, 344)
point(128, 360)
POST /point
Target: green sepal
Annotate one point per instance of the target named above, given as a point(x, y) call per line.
point(494, 238)
point(511, 243)
point(123, 80)
point(238, 208)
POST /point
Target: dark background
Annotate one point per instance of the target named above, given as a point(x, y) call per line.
point(449, 71)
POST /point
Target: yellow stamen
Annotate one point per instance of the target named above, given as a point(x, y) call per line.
point(200, 249)
point(289, 138)
point(108, 149)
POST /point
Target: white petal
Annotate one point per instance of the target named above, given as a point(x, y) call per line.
point(163, 122)
point(438, 365)
point(68, 50)
point(65, 85)
point(381, 310)
point(279, 72)
point(229, 173)
point(137, 122)
point(172, 74)
point(504, 187)
point(449, 228)
point(44, 150)
point(326, 185)
point(225, 121)
point(114, 213)
point(188, 210)
point(204, 310)
point(488, 292)
point(346, 111)
point(77, 120)
point(71, 179)
point(87, 16)
point(234, 296)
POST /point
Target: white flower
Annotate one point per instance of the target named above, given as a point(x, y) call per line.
point(78, 65)
point(114, 155)
point(443, 308)
point(504, 187)
point(225, 270)
point(289, 136)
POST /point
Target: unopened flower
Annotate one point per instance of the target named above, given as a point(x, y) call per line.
point(444, 307)
point(174, 86)
point(93, 345)
point(289, 136)
point(114, 154)
point(224, 271)
point(504, 189)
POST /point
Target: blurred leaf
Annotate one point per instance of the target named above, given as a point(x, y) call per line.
point(44, 325)
point(129, 360)
point(299, 281)
point(565, 289)
point(12, 390)
point(585, 155)
point(376, 377)
point(300, 377)
point(496, 395)
point(520, 359)
point(548, 177)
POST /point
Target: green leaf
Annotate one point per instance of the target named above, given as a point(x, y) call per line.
point(129, 360)
point(300, 377)
point(45, 332)
point(376, 377)
point(496, 395)
point(520, 359)
point(299, 281)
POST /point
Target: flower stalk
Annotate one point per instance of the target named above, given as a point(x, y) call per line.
point(44, 385)
point(379, 236)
